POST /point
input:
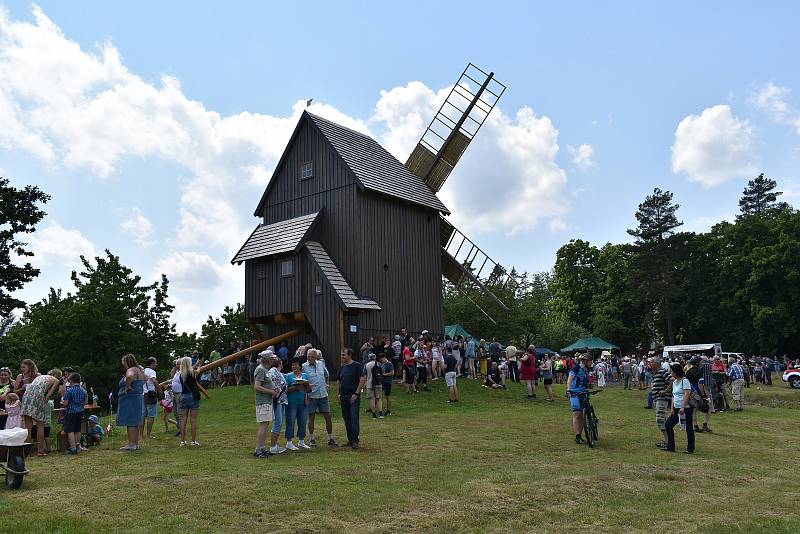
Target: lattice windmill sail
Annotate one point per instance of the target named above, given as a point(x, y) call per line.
point(454, 126)
point(458, 120)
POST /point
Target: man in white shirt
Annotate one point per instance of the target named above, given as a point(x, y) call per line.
point(318, 398)
point(152, 392)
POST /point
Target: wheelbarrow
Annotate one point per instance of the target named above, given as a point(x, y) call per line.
point(14, 463)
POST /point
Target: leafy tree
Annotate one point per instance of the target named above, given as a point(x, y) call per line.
point(657, 253)
point(576, 281)
point(760, 198)
point(19, 214)
point(110, 314)
point(219, 332)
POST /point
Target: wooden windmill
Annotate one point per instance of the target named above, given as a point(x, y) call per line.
point(352, 243)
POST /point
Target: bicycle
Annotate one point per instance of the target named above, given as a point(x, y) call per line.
point(590, 420)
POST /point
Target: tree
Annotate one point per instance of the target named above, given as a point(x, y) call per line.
point(760, 198)
point(110, 314)
point(657, 252)
point(576, 281)
point(19, 214)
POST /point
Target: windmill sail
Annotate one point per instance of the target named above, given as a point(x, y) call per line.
point(469, 269)
point(454, 126)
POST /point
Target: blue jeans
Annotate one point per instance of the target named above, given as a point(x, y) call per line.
point(278, 413)
point(650, 399)
point(299, 413)
point(350, 413)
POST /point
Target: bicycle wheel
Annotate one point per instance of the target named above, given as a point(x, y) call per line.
point(587, 432)
point(593, 423)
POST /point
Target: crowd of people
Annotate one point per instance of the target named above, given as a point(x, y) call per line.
point(291, 390)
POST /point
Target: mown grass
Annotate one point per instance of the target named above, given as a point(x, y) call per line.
point(495, 462)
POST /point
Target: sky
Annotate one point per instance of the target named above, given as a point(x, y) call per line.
point(155, 126)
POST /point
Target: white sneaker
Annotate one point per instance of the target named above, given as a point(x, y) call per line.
point(195, 444)
point(291, 446)
point(277, 449)
point(302, 444)
point(183, 443)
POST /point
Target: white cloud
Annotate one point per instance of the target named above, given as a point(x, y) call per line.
point(138, 227)
point(56, 246)
point(773, 99)
point(582, 156)
point(511, 161)
point(713, 147)
point(191, 270)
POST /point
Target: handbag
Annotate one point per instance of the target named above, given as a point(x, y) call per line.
point(151, 397)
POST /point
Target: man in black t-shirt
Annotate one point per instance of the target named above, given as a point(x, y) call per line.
point(451, 375)
point(351, 384)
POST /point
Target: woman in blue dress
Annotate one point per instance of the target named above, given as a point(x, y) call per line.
point(130, 404)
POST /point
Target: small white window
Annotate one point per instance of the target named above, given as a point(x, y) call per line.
point(307, 171)
point(287, 268)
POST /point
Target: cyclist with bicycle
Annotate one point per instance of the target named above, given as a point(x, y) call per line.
point(577, 383)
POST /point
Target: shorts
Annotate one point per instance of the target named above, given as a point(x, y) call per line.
point(661, 407)
point(375, 393)
point(575, 403)
point(188, 402)
point(151, 410)
point(264, 413)
point(548, 381)
point(279, 413)
point(387, 389)
point(410, 374)
point(72, 422)
point(450, 379)
point(321, 405)
point(228, 370)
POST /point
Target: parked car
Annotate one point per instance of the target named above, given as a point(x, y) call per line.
point(792, 376)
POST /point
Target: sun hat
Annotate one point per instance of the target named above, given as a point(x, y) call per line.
point(94, 419)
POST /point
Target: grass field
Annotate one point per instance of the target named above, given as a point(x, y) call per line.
point(494, 462)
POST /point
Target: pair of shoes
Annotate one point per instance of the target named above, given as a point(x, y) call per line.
point(290, 446)
point(660, 445)
point(332, 443)
point(667, 450)
point(277, 449)
point(183, 444)
point(706, 429)
point(688, 452)
point(387, 414)
point(195, 444)
point(581, 441)
point(72, 450)
point(263, 453)
point(698, 429)
point(354, 445)
point(82, 448)
point(374, 415)
point(312, 443)
point(302, 444)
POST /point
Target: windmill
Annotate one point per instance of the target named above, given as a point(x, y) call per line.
point(441, 146)
point(351, 243)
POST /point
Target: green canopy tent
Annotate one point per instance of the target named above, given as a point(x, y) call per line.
point(454, 330)
point(590, 343)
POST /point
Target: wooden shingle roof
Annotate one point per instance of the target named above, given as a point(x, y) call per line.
point(334, 277)
point(278, 238)
point(375, 168)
